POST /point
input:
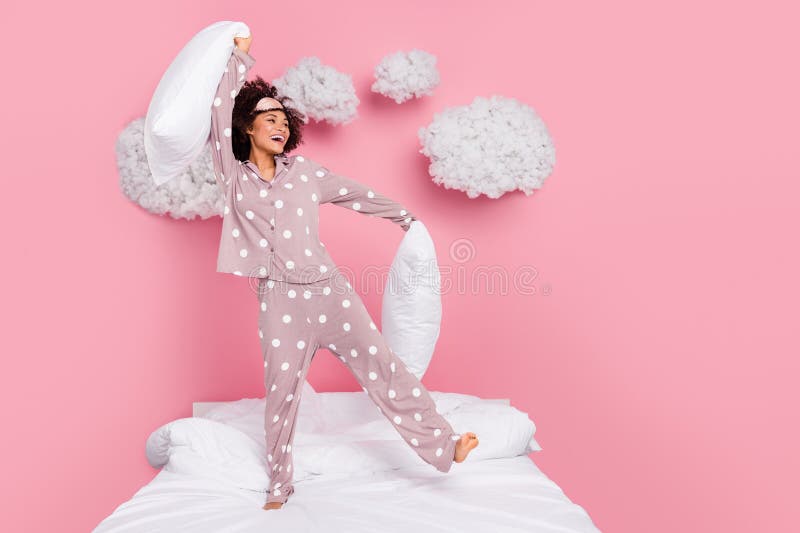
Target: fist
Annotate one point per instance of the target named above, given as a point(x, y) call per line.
point(243, 43)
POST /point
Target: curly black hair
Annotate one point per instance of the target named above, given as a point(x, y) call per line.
point(244, 114)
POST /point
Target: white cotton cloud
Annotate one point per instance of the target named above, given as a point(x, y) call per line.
point(192, 194)
point(492, 146)
point(319, 91)
point(405, 75)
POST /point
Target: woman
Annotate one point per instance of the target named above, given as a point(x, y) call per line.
point(270, 232)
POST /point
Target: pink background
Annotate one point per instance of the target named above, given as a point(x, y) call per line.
point(660, 368)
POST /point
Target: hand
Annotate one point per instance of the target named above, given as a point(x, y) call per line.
point(243, 43)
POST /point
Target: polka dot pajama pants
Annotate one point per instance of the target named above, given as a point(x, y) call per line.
point(294, 320)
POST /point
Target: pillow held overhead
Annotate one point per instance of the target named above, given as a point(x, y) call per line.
point(178, 121)
point(411, 313)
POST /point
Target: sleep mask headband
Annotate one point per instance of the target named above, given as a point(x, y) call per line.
point(268, 104)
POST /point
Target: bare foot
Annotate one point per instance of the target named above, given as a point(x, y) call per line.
point(272, 505)
point(465, 444)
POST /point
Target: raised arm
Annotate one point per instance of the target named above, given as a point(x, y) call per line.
point(225, 163)
point(345, 192)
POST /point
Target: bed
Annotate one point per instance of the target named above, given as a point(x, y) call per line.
point(353, 473)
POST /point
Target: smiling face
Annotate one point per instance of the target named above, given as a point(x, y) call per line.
point(269, 132)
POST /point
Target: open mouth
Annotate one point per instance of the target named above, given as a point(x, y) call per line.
point(278, 139)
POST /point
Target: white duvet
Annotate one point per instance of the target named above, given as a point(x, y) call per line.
point(337, 433)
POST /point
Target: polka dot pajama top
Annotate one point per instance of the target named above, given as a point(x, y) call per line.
point(270, 227)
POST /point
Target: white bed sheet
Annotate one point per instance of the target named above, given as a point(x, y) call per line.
point(496, 496)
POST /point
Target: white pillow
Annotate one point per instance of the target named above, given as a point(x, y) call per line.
point(411, 314)
point(178, 121)
point(208, 449)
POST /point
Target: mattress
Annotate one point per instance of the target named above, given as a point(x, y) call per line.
point(360, 479)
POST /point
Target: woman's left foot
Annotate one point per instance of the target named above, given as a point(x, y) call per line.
point(465, 444)
point(272, 505)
